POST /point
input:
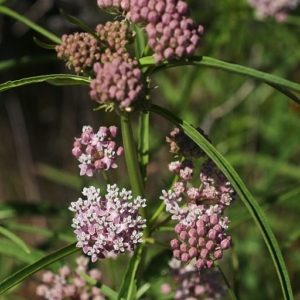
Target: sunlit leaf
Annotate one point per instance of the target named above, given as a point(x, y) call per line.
point(56, 79)
point(244, 194)
point(33, 268)
point(15, 239)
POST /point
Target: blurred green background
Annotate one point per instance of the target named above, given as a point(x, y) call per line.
point(255, 127)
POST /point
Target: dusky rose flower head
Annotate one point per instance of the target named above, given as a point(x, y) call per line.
point(182, 145)
point(171, 32)
point(110, 225)
point(115, 35)
point(80, 50)
point(200, 229)
point(197, 207)
point(190, 283)
point(276, 8)
point(119, 81)
point(69, 283)
point(83, 50)
point(215, 186)
point(97, 151)
point(117, 7)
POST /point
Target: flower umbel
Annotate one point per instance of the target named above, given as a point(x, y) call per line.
point(199, 210)
point(194, 284)
point(110, 225)
point(182, 145)
point(171, 32)
point(69, 284)
point(82, 50)
point(117, 81)
point(100, 152)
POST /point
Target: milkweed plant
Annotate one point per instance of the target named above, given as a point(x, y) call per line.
point(176, 243)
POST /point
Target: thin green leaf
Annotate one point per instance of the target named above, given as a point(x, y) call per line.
point(128, 287)
point(285, 91)
point(11, 250)
point(291, 238)
point(104, 288)
point(57, 79)
point(230, 290)
point(143, 146)
point(79, 23)
point(6, 212)
point(44, 45)
point(140, 43)
point(87, 278)
point(142, 290)
point(107, 291)
point(244, 194)
point(69, 80)
point(229, 67)
point(9, 12)
point(39, 265)
point(43, 232)
point(14, 238)
point(59, 176)
point(66, 179)
point(131, 158)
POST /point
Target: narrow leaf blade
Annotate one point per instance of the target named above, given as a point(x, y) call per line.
point(276, 82)
point(9, 12)
point(246, 197)
point(33, 268)
point(10, 235)
point(57, 79)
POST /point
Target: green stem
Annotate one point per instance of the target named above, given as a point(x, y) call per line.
point(143, 146)
point(9, 12)
point(159, 211)
point(106, 177)
point(132, 163)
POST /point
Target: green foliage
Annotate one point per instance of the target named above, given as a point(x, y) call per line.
point(254, 129)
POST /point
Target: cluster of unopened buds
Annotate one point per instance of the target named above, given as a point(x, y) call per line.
point(192, 284)
point(116, 76)
point(199, 210)
point(171, 32)
point(69, 284)
point(97, 151)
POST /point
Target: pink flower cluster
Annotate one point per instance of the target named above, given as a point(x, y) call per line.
point(201, 225)
point(80, 50)
point(171, 32)
point(100, 151)
point(108, 226)
point(206, 285)
point(182, 145)
point(69, 284)
point(118, 81)
point(117, 77)
point(276, 8)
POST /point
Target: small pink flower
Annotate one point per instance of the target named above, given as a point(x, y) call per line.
point(68, 283)
point(97, 151)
